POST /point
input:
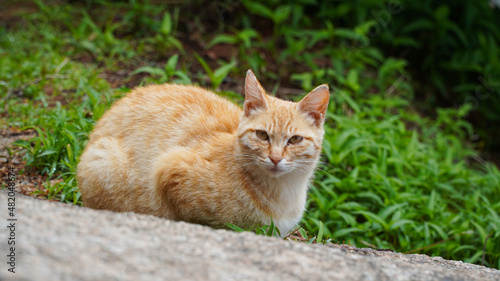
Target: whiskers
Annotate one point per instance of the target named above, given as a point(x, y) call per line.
point(295, 167)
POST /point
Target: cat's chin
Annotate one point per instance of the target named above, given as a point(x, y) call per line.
point(276, 173)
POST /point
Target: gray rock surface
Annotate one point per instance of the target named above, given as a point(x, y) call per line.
point(57, 241)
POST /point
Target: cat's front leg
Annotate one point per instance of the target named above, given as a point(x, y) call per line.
point(180, 178)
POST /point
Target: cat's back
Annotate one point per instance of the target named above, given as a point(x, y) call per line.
point(169, 112)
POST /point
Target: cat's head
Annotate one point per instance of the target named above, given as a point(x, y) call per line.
point(279, 137)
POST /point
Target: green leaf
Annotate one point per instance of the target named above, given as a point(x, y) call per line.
point(439, 230)
point(390, 66)
point(171, 64)
point(386, 212)
point(370, 195)
point(235, 228)
point(348, 34)
point(418, 25)
point(258, 9)
point(150, 70)
point(406, 42)
point(246, 36)
point(22, 143)
point(327, 150)
point(442, 13)
point(349, 100)
point(400, 223)
point(184, 79)
point(319, 238)
point(223, 39)
point(281, 14)
point(47, 152)
point(176, 43)
point(344, 232)
point(305, 78)
point(205, 66)
point(166, 25)
point(372, 217)
point(221, 73)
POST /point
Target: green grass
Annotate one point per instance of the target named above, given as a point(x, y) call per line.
point(390, 177)
point(404, 189)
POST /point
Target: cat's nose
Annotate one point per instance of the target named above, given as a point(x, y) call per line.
point(275, 159)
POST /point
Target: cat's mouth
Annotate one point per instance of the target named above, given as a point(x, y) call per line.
point(276, 171)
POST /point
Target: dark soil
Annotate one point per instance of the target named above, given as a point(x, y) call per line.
point(28, 181)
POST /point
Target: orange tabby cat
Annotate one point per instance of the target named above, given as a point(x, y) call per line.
point(184, 153)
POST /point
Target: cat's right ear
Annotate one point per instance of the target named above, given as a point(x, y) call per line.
point(254, 95)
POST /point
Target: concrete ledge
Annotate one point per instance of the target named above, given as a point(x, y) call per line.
point(57, 241)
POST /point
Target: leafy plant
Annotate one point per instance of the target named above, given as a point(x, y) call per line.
point(165, 37)
point(405, 189)
point(56, 149)
point(167, 74)
point(267, 230)
point(243, 38)
point(88, 36)
point(216, 77)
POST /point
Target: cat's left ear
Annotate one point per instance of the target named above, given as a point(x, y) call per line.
point(315, 104)
point(254, 95)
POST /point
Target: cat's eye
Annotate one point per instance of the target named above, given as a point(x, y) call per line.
point(295, 139)
point(262, 135)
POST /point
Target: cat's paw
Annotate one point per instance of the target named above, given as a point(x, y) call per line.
point(103, 162)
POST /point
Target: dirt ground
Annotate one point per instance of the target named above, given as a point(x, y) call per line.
point(28, 181)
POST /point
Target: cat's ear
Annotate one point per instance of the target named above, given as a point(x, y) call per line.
point(315, 104)
point(254, 95)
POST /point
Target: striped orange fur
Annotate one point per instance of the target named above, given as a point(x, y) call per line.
point(184, 153)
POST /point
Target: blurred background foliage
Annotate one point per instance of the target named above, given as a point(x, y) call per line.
point(412, 130)
point(450, 48)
